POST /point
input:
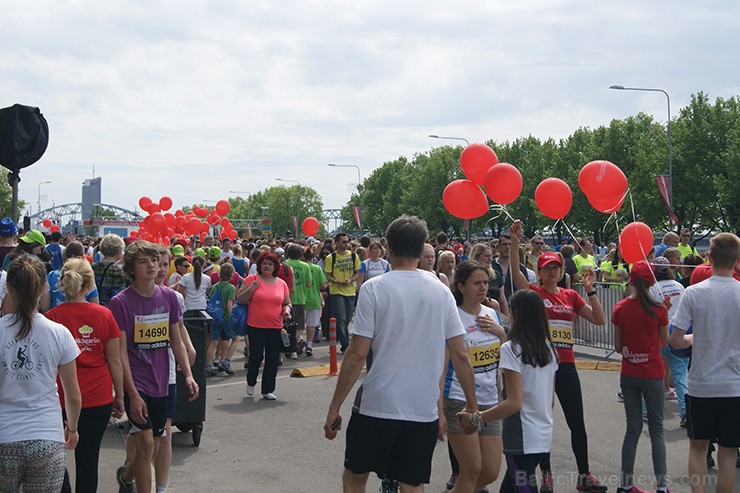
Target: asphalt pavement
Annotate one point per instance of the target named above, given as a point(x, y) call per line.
point(249, 444)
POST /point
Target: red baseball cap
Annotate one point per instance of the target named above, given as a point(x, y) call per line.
point(644, 271)
point(548, 258)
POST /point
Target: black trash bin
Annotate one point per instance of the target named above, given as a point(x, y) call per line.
point(189, 416)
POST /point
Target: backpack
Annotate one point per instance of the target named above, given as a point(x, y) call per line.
point(239, 318)
point(214, 307)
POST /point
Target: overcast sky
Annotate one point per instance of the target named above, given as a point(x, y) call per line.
point(193, 99)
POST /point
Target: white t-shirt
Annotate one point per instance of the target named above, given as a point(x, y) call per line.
point(483, 351)
point(174, 278)
point(530, 430)
point(173, 363)
point(408, 315)
point(29, 402)
point(712, 307)
point(195, 299)
point(671, 288)
point(373, 269)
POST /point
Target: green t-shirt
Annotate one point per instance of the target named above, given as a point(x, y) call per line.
point(228, 293)
point(686, 250)
point(587, 263)
point(301, 278)
point(313, 294)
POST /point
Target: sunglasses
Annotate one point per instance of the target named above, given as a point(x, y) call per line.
point(187, 266)
point(538, 242)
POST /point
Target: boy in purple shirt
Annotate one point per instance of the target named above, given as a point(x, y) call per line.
point(148, 315)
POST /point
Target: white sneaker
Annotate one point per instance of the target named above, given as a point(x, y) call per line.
point(293, 356)
point(269, 396)
point(250, 390)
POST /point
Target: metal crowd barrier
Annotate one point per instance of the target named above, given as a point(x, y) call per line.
point(599, 336)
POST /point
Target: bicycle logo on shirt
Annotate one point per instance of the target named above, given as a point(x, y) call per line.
point(22, 360)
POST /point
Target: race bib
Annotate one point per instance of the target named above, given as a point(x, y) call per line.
point(152, 331)
point(484, 357)
point(561, 332)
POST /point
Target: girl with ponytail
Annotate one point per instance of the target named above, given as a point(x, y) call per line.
point(33, 352)
point(98, 367)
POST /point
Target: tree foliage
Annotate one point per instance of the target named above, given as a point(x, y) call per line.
point(706, 176)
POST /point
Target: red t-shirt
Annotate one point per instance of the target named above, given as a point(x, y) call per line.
point(216, 278)
point(640, 343)
point(704, 271)
point(266, 304)
point(286, 274)
point(561, 309)
point(91, 326)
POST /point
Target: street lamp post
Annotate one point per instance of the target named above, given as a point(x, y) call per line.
point(359, 186)
point(432, 136)
point(38, 198)
point(298, 214)
point(668, 131)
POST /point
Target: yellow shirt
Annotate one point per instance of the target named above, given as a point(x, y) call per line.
point(342, 271)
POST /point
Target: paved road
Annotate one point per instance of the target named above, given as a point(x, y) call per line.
point(253, 445)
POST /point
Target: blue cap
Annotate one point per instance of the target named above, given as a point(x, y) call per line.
point(7, 227)
point(565, 238)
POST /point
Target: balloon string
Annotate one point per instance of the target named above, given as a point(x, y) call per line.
point(572, 235)
point(632, 203)
point(613, 215)
point(501, 209)
point(652, 271)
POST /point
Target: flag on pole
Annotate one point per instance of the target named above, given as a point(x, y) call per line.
point(249, 230)
point(664, 185)
point(358, 216)
point(295, 226)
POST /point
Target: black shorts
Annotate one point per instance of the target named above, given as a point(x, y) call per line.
point(714, 419)
point(400, 450)
point(156, 419)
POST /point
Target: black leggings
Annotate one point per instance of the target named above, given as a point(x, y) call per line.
point(568, 390)
point(90, 428)
point(267, 344)
point(521, 473)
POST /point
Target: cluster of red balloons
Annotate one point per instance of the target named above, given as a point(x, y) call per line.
point(53, 228)
point(161, 226)
point(604, 185)
point(502, 181)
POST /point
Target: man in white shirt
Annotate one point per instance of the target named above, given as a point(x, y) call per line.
point(406, 317)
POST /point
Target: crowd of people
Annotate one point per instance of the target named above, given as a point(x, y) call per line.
point(492, 324)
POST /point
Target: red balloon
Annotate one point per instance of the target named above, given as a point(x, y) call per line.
point(464, 199)
point(233, 234)
point(602, 179)
point(158, 221)
point(553, 198)
point(203, 237)
point(310, 226)
point(165, 203)
point(46, 223)
point(503, 183)
point(54, 228)
point(475, 161)
point(201, 211)
point(222, 207)
point(134, 234)
point(635, 241)
point(153, 208)
point(228, 228)
point(213, 219)
point(194, 225)
point(145, 202)
point(205, 227)
point(180, 221)
point(225, 221)
point(170, 219)
point(607, 206)
point(179, 213)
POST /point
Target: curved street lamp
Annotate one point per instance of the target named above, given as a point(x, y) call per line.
point(668, 130)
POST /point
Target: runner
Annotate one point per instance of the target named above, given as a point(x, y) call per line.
point(149, 316)
point(562, 306)
point(528, 362)
point(640, 331)
point(479, 454)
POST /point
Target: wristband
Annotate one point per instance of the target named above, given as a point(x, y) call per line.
point(591, 293)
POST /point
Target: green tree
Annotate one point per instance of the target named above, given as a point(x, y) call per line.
point(6, 196)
